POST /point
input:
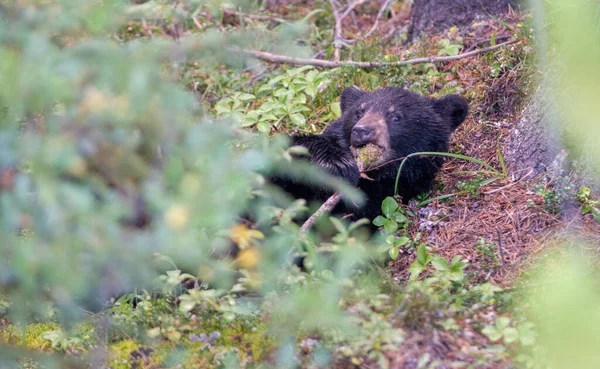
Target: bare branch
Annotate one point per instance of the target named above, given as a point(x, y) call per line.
point(379, 15)
point(338, 38)
point(351, 8)
point(326, 207)
point(282, 59)
point(254, 16)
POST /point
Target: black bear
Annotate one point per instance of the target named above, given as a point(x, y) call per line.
point(397, 122)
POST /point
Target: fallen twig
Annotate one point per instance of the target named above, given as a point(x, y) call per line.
point(500, 248)
point(326, 207)
point(254, 16)
point(283, 59)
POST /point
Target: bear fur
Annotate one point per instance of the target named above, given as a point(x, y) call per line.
point(399, 122)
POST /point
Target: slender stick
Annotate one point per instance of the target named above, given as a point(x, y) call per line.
point(338, 38)
point(326, 207)
point(254, 16)
point(379, 15)
point(283, 59)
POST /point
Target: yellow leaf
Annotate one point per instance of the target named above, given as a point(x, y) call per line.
point(177, 216)
point(248, 258)
point(243, 236)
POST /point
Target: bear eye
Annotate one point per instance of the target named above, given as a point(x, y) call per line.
point(396, 119)
point(359, 114)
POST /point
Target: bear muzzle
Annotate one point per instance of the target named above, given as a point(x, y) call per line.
point(370, 129)
point(361, 135)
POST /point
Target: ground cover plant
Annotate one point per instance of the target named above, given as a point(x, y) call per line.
point(131, 135)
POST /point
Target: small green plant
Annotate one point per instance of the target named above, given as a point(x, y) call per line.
point(394, 219)
point(448, 48)
point(234, 106)
point(472, 186)
point(59, 340)
point(523, 334)
point(555, 196)
point(375, 337)
point(452, 271)
point(488, 259)
point(588, 205)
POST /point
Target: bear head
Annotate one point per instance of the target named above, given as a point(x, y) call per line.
point(399, 122)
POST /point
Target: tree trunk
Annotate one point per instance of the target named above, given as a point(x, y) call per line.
point(439, 15)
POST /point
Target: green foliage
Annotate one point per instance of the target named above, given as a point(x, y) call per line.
point(488, 168)
point(395, 221)
point(448, 48)
point(285, 101)
point(486, 251)
point(502, 330)
point(453, 271)
point(588, 204)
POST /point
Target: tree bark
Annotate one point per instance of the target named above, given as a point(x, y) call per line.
point(439, 15)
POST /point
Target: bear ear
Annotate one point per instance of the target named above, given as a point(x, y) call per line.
point(350, 96)
point(453, 108)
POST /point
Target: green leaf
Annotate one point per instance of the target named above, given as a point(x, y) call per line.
point(223, 107)
point(492, 333)
point(379, 221)
point(246, 97)
point(299, 109)
point(264, 127)
point(502, 322)
point(596, 214)
point(440, 264)
point(358, 223)
point(400, 218)
point(301, 99)
point(153, 332)
point(298, 119)
point(338, 224)
point(390, 226)
point(527, 334)
point(415, 269)
point(390, 239)
point(186, 305)
point(298, 150)
point(393, 252)
point(511, 335)
point(585, 191)
point(401, 241)
point(389, 206)
point(458, 267)
point(586, 208)
point(282, 92)
point(423, 255)
point(336, 109)
point(311, 90)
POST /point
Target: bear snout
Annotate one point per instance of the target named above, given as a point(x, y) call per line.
point(362, 135)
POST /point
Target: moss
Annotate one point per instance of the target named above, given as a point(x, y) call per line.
point(367, 156)
point(33, 335)
point(120, 354)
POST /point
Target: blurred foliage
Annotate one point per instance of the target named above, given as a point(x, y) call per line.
point(569, 40)
point(107, 162)
point(562, 294)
